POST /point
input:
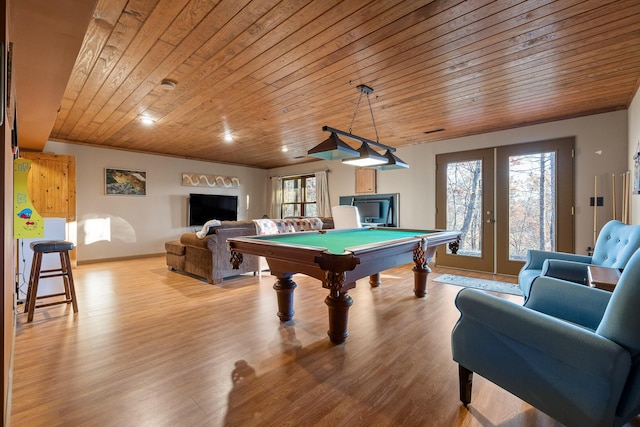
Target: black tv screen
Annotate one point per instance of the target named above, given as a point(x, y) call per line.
point(369, 209)
point(205, 207)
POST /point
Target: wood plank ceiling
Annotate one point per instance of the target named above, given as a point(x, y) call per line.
point(271, 73)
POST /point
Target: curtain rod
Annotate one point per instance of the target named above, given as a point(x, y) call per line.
point(299, 174)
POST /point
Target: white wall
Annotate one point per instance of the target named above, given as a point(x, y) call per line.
point(633, 149)
point(139, 225)
point(416, 185)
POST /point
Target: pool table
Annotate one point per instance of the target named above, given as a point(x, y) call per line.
point(338, 258)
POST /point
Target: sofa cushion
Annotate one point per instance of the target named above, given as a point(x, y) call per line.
point(306, 224)
point(174, 247)
point(191, 239)
point(284, 226)
point(266, 226)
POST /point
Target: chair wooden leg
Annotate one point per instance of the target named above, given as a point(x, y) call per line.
point(32, 292)
point(65, 280)
point(71, 288)
point(30, 286)
point(466, 381)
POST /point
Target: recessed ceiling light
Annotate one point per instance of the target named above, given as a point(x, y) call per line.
point(147, 120)
point(168, 84)
point(285, 149)
point(228, 137)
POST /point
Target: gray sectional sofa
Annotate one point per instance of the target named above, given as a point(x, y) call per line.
point(209, 258)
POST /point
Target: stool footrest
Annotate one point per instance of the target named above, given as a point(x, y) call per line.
point(45, 276)
point(50, 295)
point(66, 301)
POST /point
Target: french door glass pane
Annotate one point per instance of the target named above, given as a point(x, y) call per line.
point(464, 205)
point(532, 207)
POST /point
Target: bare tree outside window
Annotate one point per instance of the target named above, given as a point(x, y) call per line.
point(464, 204)
point(532, 211)
point(299, 196)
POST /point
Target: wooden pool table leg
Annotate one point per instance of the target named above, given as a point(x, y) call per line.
point(374, 280)
point(420, 275)
point(338, 303)
point(284, 290)
point(421, 270)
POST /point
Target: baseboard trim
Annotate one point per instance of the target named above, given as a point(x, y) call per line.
point(124, 258)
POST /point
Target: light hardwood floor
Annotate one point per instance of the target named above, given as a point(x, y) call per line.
point(151, 347)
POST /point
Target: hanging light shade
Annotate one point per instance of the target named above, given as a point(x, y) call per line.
point(367, 157)
point(332, 148)
point(393, 162)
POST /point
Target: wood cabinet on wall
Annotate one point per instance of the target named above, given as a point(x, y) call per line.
point(52, 187)
point(365, 180)
point(52, 184)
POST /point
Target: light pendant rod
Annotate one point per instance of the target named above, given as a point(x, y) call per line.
point(353, 119)
point(358, 138)
point(364, 90)
point(372, 119)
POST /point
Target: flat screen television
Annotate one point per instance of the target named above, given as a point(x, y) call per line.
point(205, 207)
point(369, 210)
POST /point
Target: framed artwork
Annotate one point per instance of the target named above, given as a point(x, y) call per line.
point(125, 182)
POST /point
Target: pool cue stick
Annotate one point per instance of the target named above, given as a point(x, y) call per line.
point(627, 193)
point(624, 190)
point(629, 189)
point(595, 209)
point(624, 197)
point(613, 196)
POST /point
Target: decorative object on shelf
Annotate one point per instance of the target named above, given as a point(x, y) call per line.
point(333, 148)
point(202, 180)
point(125, 182)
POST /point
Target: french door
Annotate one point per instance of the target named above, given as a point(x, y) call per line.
point(505, 201)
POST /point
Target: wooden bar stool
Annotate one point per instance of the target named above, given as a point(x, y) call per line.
point(44, 247)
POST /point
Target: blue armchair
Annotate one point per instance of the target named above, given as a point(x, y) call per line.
point(615, 245)
point(571, 351)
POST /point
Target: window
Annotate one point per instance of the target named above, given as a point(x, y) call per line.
point(299, 196)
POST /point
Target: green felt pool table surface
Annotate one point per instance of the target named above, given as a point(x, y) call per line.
point(338, 241)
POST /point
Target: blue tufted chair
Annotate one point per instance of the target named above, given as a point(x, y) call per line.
point(571, 351)
point(615, 245)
